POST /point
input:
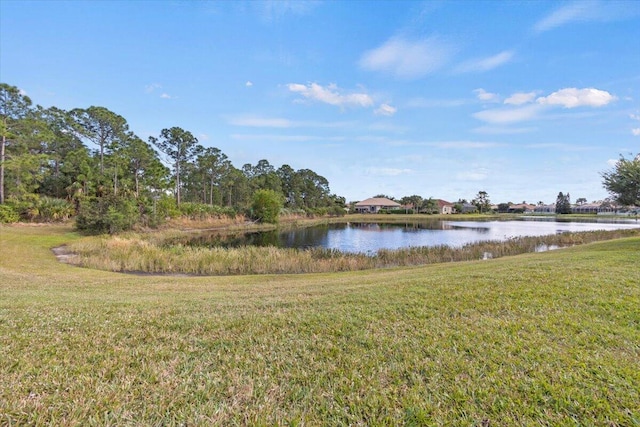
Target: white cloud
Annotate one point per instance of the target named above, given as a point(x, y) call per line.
point(248, 120)
point(275, 10)
point(485, 96)
point(386, 126)
point(464, 144)
point(508, 115)
point(252, 121)
point(408, 59)
point(249, 83)
point(22, 92)
point(573, 97)
point(437, 103)
point(635, 131)
point(153, 86)
point(520, 98)
point(478, 175)
point(331, 94)
point(588, 11)
point(485, 64)
point(499, 130)
point(612, 162)
point(385, 110)
point(388, 171)
point(575, 11)
point(519, 106)
point(297, 87)
point(285, 138)
point(557, 146)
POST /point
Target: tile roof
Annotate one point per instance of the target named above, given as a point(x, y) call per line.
point(378, 201)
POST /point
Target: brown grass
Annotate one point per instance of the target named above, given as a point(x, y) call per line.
point(150, 253)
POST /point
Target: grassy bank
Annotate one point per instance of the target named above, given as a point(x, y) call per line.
point(538, 339)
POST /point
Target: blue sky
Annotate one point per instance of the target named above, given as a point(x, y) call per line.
point(440, 99)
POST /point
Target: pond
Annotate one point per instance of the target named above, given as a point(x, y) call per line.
point(370, 237)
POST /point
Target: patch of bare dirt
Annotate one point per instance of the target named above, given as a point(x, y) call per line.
point(62, 253)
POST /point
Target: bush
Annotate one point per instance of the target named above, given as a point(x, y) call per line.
point(166, 207)
point(107, 215)
point(397, 211)
point(293, 212)
point(266, 206)
point(337, 211)
point(200, 211)
point(43, 209)
point(316, 212)
point(53, 210)
point(8, 214)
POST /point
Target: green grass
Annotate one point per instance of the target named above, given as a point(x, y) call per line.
point(537, 339)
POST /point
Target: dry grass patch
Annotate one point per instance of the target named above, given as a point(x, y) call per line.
point(155, 253)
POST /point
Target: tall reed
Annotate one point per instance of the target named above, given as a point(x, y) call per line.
point(148, 254)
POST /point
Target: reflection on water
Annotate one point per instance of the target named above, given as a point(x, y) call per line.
point(370, 237)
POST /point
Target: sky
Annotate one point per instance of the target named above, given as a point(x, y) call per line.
point(443, 99)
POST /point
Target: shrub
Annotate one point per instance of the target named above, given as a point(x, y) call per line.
point(43, 209)
point(200, 211)
point(266, 206)
point(396, 211)
point(293, 212)
point(336, 211)
point(8, 214)
point(316, 212)
point(107, 215)
point(53, 209)
point(166, 207)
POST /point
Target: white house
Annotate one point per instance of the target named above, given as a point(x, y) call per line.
point(375, 204)
point(545, 209)
point(586, 208)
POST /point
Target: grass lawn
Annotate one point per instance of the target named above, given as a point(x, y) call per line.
point(550, 338)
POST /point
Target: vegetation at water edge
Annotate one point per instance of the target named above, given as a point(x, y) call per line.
point(148, 253)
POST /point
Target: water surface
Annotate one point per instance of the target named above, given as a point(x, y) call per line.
point(370, 237)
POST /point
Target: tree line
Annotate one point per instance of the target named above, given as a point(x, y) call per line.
point(88, 163)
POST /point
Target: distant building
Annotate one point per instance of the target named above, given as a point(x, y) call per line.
point(376, 204)
point(545, 209)
point(522, 208)
point(586, 208)
point(468, 208)
point(444, 207)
